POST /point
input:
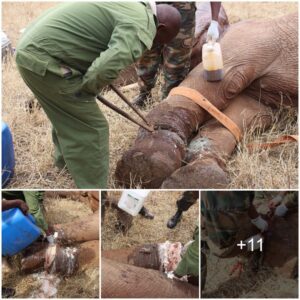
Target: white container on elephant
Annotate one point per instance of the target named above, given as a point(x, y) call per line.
point(132, 201)
point(212, 61)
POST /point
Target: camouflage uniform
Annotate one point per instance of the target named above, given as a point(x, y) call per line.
point(188, 199)
point(174, 56)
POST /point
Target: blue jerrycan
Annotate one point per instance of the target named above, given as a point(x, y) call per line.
point(8, 156)
point(18, 231)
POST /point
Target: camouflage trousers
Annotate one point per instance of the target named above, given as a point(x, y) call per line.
point(174, 58)
point(226, 220)
point(188, 199)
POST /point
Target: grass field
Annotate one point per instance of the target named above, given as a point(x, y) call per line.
point(163, 205)
point(80, 285)
point(32, 132)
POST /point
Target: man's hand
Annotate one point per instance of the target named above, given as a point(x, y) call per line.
point(281, 210)
point(24, 207)
point(8, 204)
point(260, 223)
point(213, 31)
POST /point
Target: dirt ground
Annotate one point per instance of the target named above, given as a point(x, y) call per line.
point(81, 285)
point(32, 132)
point(163, 205)
point(263, 284)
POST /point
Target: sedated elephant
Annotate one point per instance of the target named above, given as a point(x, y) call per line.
point(260, 73)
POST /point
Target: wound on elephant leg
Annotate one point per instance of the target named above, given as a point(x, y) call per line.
point(145, 256)
point(63, 261)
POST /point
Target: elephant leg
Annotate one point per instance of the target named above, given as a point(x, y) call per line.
point(81, 230)
point(126, 281)
point(63, 260)
point(214, 143)
point(159, 256)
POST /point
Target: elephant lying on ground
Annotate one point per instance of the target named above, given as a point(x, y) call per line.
point(260, 72)
point(138, 273)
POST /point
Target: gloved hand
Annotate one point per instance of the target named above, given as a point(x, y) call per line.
point(281, 210)
point(213, 31)
point(275, 201)
point(260, 223)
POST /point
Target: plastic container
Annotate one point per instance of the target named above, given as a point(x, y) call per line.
point(212, 61)
point(132, 201)
point(8, 156)
point(18, 231)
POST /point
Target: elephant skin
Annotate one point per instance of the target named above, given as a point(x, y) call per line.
point(82, 230)
point(260, 60)
point(62, 260)
point(126, 281)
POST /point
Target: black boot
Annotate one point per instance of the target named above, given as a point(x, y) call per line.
point(142, 99)
point(174, 220)
point(146, 213)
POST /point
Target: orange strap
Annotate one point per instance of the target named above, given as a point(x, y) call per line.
point(284, 139)
point(194, 95)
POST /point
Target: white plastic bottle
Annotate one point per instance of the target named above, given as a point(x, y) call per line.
point(212, 61)
point(132, 201)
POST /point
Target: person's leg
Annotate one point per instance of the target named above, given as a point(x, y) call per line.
point(34, 201)
point(177, 54)
point(147, 70)
point(81, 130)
point(58, 156)
point(183, 204)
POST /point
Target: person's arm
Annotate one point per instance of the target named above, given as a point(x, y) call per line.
point(215, 10)
point(213, 30)
point(124, 48)
point(8, 204)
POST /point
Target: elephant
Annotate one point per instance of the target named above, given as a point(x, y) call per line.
point(260, 74)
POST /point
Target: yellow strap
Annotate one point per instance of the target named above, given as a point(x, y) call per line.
point(195, 96)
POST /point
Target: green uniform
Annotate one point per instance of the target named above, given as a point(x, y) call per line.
point(189, 265)
point(34, 200)
point(175, 57)
point(66, 57)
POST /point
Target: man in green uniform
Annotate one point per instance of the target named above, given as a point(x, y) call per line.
point(189, 265)
point(33, 199)
point(188, 199)
point(69, 54)
point(174, 57)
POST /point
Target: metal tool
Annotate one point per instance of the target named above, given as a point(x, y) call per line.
point(146, 126)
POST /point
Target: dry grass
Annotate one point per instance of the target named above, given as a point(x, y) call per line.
point(81, 285)
point(32, 132)
point(163, 205)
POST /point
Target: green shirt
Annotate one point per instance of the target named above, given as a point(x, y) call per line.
point(98, 39)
